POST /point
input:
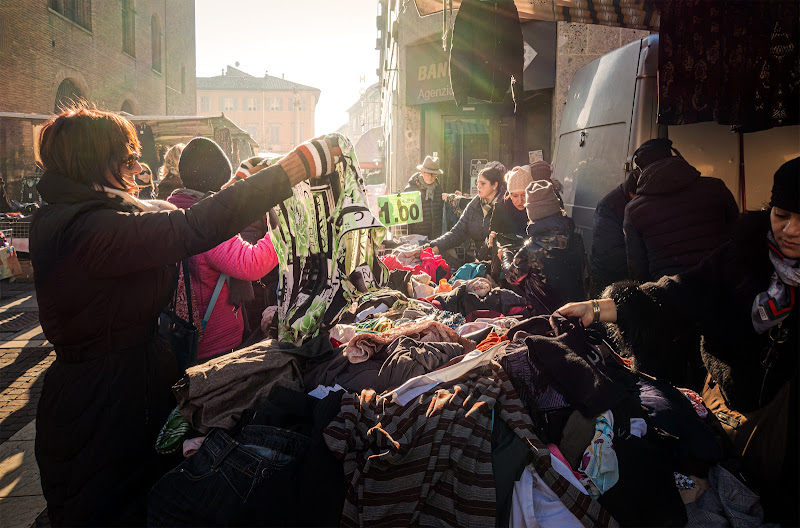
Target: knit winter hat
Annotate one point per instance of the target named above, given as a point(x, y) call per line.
point(786, 187)
point(518, 179)
point(653, 150)
point(541, 200)
point(541, 170)
point(204, 166)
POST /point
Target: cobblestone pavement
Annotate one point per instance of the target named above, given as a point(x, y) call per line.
point(25, 355)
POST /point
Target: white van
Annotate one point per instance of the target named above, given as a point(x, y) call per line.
point(611, 109)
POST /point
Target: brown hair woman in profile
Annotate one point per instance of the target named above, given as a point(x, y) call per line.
point(105, 265)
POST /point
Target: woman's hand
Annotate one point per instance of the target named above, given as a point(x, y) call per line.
point(435, 250)
point(585, 311)
point(444, 197)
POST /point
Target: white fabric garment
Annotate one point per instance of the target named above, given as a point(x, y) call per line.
point(343, 333)
point(422, 286)
point(638, 427)
point(468, 328)
point(564, 470)
point(425, 382)
point(500, 323)
point(321, 391)
point(535, 505)
point(143, 205)
point(407, 255)
point(381, 308)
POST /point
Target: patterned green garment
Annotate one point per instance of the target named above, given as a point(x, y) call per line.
point(170, 438)
point(326, 239)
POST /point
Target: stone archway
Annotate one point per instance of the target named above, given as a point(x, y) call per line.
point(67, 94)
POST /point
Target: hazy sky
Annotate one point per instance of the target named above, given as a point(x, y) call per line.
point(321, 43)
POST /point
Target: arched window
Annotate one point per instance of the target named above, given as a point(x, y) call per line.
point(67, 94)
point(155, 34)
point(128, 28)
point(127, 107)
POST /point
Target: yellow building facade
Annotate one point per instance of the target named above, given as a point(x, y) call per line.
point(277, 113)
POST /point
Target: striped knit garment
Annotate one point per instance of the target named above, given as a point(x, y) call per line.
point(429, 463)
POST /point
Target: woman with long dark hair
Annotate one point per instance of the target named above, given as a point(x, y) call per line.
point(474, 223)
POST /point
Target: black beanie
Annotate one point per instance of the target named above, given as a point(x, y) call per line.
point(786, 187)
point(204, 166)
point(652, 150)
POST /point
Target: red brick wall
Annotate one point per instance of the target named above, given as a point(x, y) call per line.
point(39, 48)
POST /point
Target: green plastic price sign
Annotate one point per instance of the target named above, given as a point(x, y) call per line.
point(398, 209)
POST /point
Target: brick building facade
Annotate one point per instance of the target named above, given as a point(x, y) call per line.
point(131, 55)
point(136, 56)
point(277, 113)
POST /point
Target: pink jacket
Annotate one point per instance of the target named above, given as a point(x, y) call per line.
point(238, 259)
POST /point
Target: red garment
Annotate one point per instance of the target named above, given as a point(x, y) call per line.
point(491, 340)
point(392, 263)
point(430, 263)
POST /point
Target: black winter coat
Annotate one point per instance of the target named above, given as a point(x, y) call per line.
point(431, 225)
point(608, 259)
point(103, 273)
point(507, 219)
point(473, 225)
point(676, 219)
point(551, 265)
point(715, 297)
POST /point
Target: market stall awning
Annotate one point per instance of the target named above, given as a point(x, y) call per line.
point(367, 149)
point(635, 14)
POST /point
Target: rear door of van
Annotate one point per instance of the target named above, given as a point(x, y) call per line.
point(595, 138)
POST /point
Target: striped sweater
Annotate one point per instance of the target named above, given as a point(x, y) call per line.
point(429, 463)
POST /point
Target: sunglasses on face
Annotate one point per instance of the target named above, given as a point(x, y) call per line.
point(144, 172)
point(130, 160)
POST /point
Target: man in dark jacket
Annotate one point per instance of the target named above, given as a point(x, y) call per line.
point(677, 217)
point(608, 259)
point(426, 181)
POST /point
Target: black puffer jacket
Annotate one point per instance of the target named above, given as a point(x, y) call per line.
point(473, 225)
point(103, 272)
point(431, 225)
point(551, 265)
point(608, 259)
point(716, 298)
point(676, 219)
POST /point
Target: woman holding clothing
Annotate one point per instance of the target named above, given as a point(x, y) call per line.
point(474, 223)
point(205, 169)
point(743, 301)
point(103, 271)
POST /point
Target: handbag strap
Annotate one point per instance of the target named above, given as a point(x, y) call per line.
point(222, 278)
point(188, 284)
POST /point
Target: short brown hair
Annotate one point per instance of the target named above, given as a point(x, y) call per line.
point(81, 143)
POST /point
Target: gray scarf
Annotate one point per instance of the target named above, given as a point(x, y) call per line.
point(488, 205)
point(772, 306)
point(428, 187)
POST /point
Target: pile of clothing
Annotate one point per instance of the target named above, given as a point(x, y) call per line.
point(395, 392)
point(407, 413)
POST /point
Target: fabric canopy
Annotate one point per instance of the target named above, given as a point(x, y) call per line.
point(634, 14)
